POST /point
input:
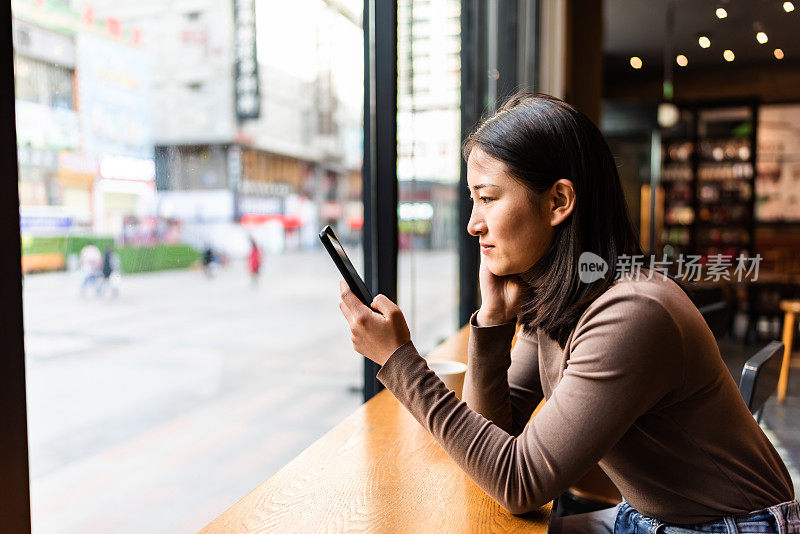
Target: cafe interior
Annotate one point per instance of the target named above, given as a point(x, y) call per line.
point(699, 101)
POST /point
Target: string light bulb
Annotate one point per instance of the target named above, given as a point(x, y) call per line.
point(788, 7)
point(778, 53)
point(721, 13)
point(682, 60)
point(728, 55)
point(704, 41)
point(761, 37)
point(636, 62)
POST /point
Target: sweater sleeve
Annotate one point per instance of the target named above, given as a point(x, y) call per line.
point(622, 361)
point(502, 384)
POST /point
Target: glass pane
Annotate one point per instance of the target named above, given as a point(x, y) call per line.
point(177, 160)
point(428, 155)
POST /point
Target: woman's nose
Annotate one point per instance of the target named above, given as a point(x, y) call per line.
point(476, 225)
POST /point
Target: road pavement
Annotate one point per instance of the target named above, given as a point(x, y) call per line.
point(156, 410)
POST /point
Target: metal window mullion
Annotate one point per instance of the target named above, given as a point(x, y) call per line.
point(380, 159)
point(15, 487)
point(473, 94)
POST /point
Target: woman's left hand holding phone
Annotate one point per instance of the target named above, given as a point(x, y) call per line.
point(375, 334)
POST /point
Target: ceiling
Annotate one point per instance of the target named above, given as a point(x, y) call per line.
point(638, 28)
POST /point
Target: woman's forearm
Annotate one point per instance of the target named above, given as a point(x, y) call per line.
point(501, 385)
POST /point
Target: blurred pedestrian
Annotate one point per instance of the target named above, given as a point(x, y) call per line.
point(111, 272)
point(91, 262)
point(254, 261)
point(208, 260)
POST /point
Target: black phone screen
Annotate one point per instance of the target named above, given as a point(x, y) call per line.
point(339, 257)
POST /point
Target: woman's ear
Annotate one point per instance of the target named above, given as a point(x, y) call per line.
point(562, 201)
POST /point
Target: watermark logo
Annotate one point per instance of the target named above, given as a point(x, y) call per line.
point(591, 267)
point(689, 268)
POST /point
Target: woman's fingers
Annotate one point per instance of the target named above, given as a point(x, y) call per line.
point(384, 305)
point(354, 306)
point(346, 312)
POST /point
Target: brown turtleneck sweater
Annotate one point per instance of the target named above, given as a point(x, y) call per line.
point(639, 387)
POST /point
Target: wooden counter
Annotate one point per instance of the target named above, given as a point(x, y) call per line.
point(378, 470)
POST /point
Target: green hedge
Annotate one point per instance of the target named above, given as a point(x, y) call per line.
point(64, 245)
point(157, 258)
point(132, 259)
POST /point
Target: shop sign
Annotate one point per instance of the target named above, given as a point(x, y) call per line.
point(42, 223)
point(234, 166)
point(411, 211)
point(248, 98)
point(264, 205)
point(277, 189)
point(114, 93)
point(122, 168)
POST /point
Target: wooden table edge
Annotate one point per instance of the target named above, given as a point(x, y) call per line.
point(444, 351)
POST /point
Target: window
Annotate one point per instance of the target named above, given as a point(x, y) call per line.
point(183, 339)
point(428, 130)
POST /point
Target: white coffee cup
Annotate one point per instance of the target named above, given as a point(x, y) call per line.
point(451, 373)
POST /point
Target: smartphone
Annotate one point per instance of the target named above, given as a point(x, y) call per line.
point(342, 262)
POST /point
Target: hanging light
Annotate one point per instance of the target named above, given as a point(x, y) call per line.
point(721, 13)
point(667, 111)
point(668, 114)
point(761, 37)
point(636, 62)
point(681, 60)
point(704, 41)
point(728, 55)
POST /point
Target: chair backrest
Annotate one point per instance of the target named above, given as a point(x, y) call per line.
point(760, 376)
point(717, 317)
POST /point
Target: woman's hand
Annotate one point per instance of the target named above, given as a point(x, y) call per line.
point(501, 297)
point(375, 335)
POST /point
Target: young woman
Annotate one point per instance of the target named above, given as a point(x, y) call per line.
point(254, 261)
point(632, 375)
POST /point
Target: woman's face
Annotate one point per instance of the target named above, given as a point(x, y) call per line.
point(514, 233)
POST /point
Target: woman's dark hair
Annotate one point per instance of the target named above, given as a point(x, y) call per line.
point(542, 139)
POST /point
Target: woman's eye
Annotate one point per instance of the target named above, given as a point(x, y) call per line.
point(483, 200)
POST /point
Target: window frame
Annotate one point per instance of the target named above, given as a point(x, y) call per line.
point(15, 513)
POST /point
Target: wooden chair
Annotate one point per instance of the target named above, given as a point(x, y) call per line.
point(593, 492)
point(791, 309)
point(764, 300)
point(760, 377)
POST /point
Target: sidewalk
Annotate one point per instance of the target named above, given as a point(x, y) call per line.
point(169, 403)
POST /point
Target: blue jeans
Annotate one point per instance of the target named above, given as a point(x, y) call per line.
point(782, 518)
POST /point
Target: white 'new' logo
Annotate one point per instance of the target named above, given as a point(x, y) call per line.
point(591, 267)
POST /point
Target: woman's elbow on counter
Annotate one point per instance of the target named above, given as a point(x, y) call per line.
point(518, 508)
point(522, 505)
